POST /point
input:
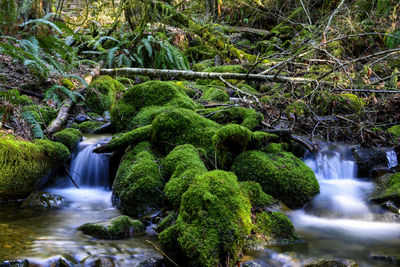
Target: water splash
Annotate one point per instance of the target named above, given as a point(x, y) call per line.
point(392, 158)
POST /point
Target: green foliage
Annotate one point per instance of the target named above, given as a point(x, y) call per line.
point(258, 199)
point(13, 96)
point(34, 124)
point(212, 224)
point(68, 137)
point(23, 163)
point(392, 41)
point(181, 166)
point(57, 92)
point(280, 175)
point(119, 227)
point(395, 132)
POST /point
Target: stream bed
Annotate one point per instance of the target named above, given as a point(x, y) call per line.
point(338, 223)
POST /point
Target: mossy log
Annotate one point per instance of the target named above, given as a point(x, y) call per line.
point(63, 113)
point(191, 75)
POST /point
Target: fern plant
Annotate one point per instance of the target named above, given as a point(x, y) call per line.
point(57, 92)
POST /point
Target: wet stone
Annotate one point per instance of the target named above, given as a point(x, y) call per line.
point(384, 257)
point(332, 263)
point(15, 263)
point(81, 118)
point(151, 262)
point(43, 200)
point(389, 205)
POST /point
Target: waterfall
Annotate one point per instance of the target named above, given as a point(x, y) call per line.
point(392, 158)
point(89, 169)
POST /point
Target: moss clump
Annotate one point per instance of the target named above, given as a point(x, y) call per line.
point(101, 94)
point(395, 131)
point(138, 182)
point(181, 166)
point(236, 115)
point(274, 228)
point(280, 175)
point(222, 69)
point(202, 65)
point(68, 84)
point(147, 114)
point(68, 137)
point(388, 190)
point(87, 127)
point(261, 140)
point(182, 126)
point(119, 227)
point(152, 93)
point(23, 163)
point(229, 141)
point(215, 94)
point(258, 199)
point(213, 222)
point(350, 103)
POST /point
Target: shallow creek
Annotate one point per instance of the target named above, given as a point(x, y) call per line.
point(339, 222)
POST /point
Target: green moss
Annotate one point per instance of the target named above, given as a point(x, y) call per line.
point(68, 137)
point(182, 126)
point(260, 140)
point(248, 89)
point(132, 138)
point(202, 65)
point(395, 131)
point(213, 222)
point(68, 84)
point(280, 175)
point(222, 69)
point(181, 166)
point(168, 221)
point(297, 108)
point(119, 227)
point(47, 113)
point(138, 182)
point(152, 93)
point(229, 141)
point(388, 190)
point(89, 126)
point(274, 228)
point(276, 147)
point(350, 103)
point(101, 94)
point(215, 94)
point(258, 199)
point(147, 114)
point(249, 118)
point(23, 163)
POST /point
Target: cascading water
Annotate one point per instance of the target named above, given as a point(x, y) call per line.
point(340, 221)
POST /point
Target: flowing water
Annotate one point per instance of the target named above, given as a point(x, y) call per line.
point(340, 222)
point(39, 235)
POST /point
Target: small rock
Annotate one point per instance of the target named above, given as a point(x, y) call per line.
point(395, 259)
point(367, 159)
point(151, 262)
point(104, 262)
point(332, 263)
point(15, 263)
point(389, 205)
point(43, 200)
point(81, 118)
point(103, 128)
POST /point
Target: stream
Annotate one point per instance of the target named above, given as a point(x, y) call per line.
point(339, 222)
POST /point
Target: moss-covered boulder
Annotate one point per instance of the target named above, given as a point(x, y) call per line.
point(43, 200)
point(281, 175)
point(23, 163)
point(215, 94)
point(213, 222)
point(88, 127)
point(181, 166)
point(102, 93)
point(246, 117)
point(68, 137)
point(138, 183)
point(273, 229)
point(388, 189)
point(152, 93)
point(116, 228)
point(229, 141)
point(182, 126)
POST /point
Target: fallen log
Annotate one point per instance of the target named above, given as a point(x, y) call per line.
point(63, 113)
point(191, 75)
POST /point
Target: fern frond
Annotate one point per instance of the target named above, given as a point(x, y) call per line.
point(103, 38)
point(38, 22)
point(111, 55)
point(36, 128)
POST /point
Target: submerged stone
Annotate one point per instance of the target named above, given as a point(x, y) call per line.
point(386, 257)
point(116, 228)
point(43, 200)
point(281, 175)
point(15, 263)
point(332, 263)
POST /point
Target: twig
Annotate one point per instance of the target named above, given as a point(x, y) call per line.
point(330, 19)
point(240, 91)
point(359, 125)
point(162, 252)
point(367, 91)
point(70, 177)
point(306, 11)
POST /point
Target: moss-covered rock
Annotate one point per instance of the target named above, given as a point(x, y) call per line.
point(181, 166)
point(215, 94)
point(23, 163)
point(212, 224)
point(88, 127)
point(68, 137)
point(229, 141)
point(138, 184)
point(116, 228)
point(395, 132)
point(349, 103)
point(43, 200)
point(101, 94)
point(281, 175)
point(246, 117)
point(273, 229)
point(152, 93)
point(388, 189)
point(182, 126)
point(258, 199)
